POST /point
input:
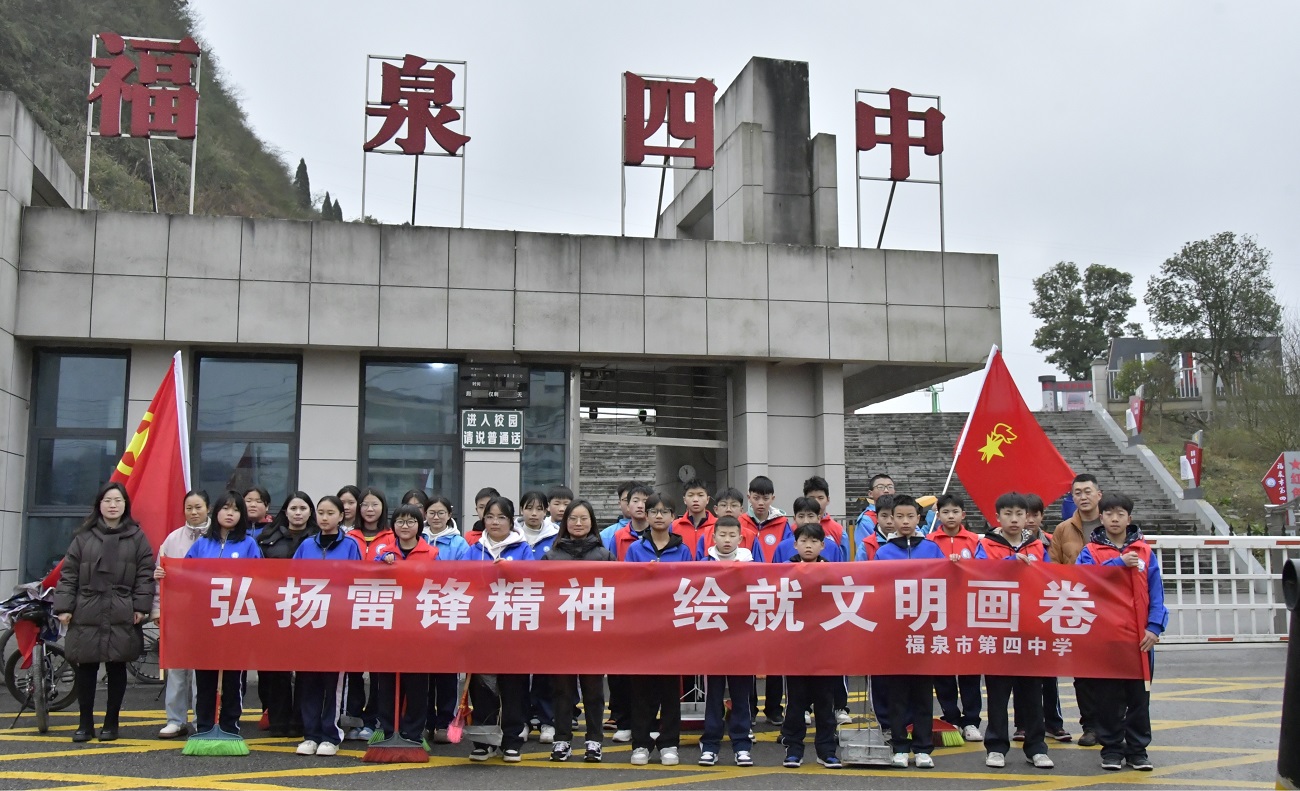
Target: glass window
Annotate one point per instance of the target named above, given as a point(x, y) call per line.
point(543, 466)
point(410, 398)
point(241, 465)
point(246, 425)
point(78, 414)
point(544, 461)
point(396, 469)
point(247, 395)
point(410, 428)
point(69, 471)
point(545, 417)
point(79, 391)
point(46, 542)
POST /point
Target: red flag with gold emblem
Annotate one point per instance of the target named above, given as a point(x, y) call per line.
point(1003, 449)
point(156, 465)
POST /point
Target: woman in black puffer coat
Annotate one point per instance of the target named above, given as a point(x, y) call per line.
point(578, 540)
point(104, 594)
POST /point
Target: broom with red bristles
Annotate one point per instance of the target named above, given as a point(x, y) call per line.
point(457, 727)
point(395, 749)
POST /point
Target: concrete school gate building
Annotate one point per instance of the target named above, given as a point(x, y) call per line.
point(324, 353)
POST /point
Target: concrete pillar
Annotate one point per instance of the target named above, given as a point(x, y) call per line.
point(828, 391)
point(1100, 381)
point(748, 439)
point(327, 444)
point(825, 192)
point(1209, 392)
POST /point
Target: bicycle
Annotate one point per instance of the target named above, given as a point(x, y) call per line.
point(145, 668)
point(50, 682)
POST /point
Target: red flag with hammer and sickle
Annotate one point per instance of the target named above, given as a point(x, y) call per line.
point(155, 467)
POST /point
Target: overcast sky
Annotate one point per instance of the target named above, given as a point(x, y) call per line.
point(1103, 132)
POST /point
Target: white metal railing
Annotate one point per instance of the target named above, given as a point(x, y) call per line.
point(1187, 385)
point(1224, 589)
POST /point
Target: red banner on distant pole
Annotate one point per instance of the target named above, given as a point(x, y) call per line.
point(917, 617)
point(1193, 453)
point(155, 467)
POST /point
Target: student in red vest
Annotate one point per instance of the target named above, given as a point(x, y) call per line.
point(697, 519)
point(622, 539)
point(959, 696)
point(1053, 719)
point(1011, 541)
point(818, 489)
point(765, 519)
point(728, 502)
point(1124, 705)
point(410, 548)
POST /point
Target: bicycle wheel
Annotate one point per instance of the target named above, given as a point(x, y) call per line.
point(61, 678)
point(40, 688)
point(145, 668)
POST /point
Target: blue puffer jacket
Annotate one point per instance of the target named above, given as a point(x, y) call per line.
point(216, 547)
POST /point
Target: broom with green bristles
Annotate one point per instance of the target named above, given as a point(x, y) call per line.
point(394, 748)
point(215, 741)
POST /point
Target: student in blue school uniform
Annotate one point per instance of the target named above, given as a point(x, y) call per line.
point(911, 698)
point(320, 691)
point(739, 723)
point(1124, 705)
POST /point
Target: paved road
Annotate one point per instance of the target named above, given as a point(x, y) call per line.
point(1215, 714)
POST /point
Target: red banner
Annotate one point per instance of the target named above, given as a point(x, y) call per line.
point(917, 617)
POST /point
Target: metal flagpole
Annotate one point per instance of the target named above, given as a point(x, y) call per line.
point(961, 442)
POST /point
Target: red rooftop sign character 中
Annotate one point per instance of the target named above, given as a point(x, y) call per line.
point(668, 105)
point(409, 96)
point(158, 84)
point(899, 138)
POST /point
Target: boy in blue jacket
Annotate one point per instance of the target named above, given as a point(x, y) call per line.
point(911, 698)
point(657, 695)
point(807, 511)
point(1124, 704)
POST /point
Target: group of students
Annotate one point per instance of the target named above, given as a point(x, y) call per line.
point(327, 708)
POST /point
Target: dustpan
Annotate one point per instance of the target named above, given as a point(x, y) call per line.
point(692, 703)
point(481, 734)
point(865, 745)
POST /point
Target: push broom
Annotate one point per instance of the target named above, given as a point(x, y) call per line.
point(215, 741)
point(393, 748)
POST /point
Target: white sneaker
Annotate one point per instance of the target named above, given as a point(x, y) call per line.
point(842, 717)
point(623, 736)
point(307, 747)
point(546, 734)
point(807, 718)
point(327, 748)
point(971, 734)
point(640, 756)
point(899, 761)
point(171, 730)
point(668, 756)
point(523, 735)
point(1042, 761)
point(924, 761)
point(708, 758)
point(995, 760)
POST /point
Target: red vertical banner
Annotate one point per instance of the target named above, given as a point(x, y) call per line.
point(1194, 454)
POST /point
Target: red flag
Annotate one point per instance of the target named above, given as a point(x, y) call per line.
point(1003, 448)
point(155, 467)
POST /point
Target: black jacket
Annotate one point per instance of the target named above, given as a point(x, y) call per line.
point(588, 548)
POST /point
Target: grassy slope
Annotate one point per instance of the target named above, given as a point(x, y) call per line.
point(44, 54)
point(1230, 473)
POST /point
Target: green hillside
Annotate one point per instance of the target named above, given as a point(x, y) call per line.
point(44, 54)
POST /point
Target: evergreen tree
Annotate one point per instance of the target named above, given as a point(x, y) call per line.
point(302, 185)
point(338, 211)
point(327, 208)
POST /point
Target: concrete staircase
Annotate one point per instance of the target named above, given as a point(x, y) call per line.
point(916, 450)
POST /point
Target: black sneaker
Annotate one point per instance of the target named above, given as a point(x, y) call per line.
point(560, 751)
point(593, 754)
point(1140, 763)
point(1088, 739)
point(1112, 764)
point(1059, 734)
point(511, 756)
point(830, 762)
point(1019, 735)
point(792, 760)
point(775, 719)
